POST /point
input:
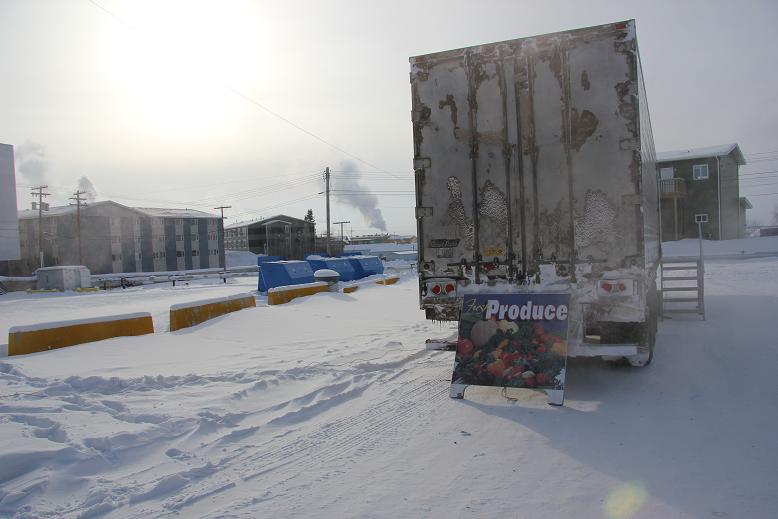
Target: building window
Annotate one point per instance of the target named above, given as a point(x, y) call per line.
point(666, 173)
point(194, 252)
point(700, 171)
point(179, 237)
point(179, 254)
point(701, 218)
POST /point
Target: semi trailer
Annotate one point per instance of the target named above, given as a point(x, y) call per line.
point(535, 168)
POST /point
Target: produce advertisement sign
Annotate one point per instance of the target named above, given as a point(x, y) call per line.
point(512, 340)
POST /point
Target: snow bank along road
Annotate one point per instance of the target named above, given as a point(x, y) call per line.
point(20, 308)
point(330, 407)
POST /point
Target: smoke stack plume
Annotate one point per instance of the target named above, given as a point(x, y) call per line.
point(31, 162)
point(350, 191)
point(85, 185)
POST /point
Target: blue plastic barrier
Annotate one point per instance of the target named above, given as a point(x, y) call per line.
point(348, 254)
point(281, 273)
point(366, 266)
point(340, 265)
point(267, 259)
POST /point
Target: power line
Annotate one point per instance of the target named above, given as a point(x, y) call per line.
point(263, 209)
point(246, 180)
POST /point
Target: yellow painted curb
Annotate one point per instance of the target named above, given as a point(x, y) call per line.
point(87, 289)
point(48, 336)
point(281, 295)
point(190, 314)
point(388, 280)
point(41, 290)
point(350, 289)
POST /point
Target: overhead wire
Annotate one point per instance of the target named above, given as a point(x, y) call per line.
point(280, 204)
point(256, 103)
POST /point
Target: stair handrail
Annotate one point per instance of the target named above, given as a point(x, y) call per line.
point(699, 234)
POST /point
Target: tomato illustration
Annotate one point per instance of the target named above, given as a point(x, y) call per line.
point(496, 368)
point(465, 348)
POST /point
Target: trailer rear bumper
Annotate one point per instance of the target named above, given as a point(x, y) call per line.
point(602, 350)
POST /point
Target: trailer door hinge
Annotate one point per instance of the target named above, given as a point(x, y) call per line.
point(422, 163)
point(421, 212)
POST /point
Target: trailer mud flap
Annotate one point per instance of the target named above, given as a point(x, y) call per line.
point(513, 340)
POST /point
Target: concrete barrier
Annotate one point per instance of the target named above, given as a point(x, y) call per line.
point(184, 315)
point(281, 295)
point(48, 336)
point(388, 280)
point(350, 288)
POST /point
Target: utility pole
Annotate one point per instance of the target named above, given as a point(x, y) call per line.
point(40, 194)
point(221, 228)
point(327, 180)
point(77, 197)
point(341, 231)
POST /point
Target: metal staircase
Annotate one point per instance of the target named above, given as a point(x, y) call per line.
point(690, 270)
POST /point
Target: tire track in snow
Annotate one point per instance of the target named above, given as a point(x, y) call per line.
point(114, 494)
point(334, 440)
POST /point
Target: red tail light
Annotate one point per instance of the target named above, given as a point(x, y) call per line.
point(436, 289)
point(450, 288)
point(615, 286)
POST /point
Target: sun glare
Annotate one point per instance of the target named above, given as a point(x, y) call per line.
point(172, 67)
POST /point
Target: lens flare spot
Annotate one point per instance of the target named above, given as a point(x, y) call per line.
point(625, 500)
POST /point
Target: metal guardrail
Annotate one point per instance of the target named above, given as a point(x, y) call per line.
point(149, 278)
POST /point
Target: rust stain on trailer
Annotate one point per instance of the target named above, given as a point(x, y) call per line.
point(585, 80)
point(554, 231)
point(452, 106)
point(421, 118)
point(582, 126)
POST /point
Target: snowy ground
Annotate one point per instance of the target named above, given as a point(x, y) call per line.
point(331, 407)
point(745, 247)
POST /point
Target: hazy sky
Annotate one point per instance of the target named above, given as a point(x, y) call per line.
point(151, 109)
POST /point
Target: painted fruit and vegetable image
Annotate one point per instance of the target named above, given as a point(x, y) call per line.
point(509, 352)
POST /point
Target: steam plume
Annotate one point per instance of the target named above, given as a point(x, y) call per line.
point(85, 185)
point(350, 191)
point(31, 162)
